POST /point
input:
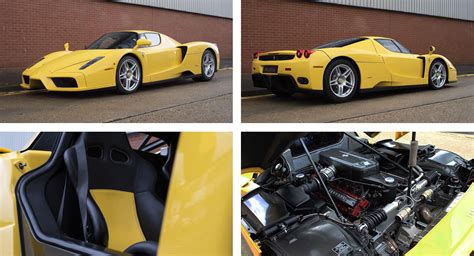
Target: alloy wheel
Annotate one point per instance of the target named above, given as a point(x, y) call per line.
point(129, 75)
point(438, 75)
point(342, 80)
point(209, 64)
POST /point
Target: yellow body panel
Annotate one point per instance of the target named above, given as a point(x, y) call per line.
point(378, 67)
point(198, 214)
point(120, 214)
point(12, 166)
point(161, 62)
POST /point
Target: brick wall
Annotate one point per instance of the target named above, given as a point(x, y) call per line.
point(296, 24)
point(31, 29)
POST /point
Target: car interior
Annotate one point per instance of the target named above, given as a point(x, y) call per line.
point(100, 192)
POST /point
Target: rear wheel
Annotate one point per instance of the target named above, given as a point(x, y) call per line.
point(341, 81)
point(129, 75)
point(208, 66)
point(438, 75)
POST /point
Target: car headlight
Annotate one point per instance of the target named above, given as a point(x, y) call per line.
point(94, 60)
point(36, 62)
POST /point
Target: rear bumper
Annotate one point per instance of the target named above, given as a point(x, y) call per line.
point(301, 74)
point(452, 75)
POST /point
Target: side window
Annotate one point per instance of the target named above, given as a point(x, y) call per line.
point(154, 38)
point(401, 47)
point(388, 44)
point(147, 143)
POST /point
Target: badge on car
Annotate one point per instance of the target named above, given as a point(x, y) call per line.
point(270, 69)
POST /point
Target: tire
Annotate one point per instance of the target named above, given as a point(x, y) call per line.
point(208, 66)
point(340, 74)
point(129, 75)
point(438, 75)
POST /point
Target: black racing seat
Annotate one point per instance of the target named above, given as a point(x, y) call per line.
point(116, 193)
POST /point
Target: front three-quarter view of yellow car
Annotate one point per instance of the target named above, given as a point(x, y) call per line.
point(340, 69)
point(124, 60)
point(140, 193)
point(336, 193)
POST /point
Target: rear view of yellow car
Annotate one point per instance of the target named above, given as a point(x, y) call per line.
point(124, 60)
point(342, 68)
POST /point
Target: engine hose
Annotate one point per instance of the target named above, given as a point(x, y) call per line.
point(374, 218)
point(338, 213)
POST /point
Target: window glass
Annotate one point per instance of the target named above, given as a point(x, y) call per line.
point(341, 43)
point(147, 143)
point(401, 47)
point(16, 141)
point(115, 40)
point(388, 44)
point(154, 38)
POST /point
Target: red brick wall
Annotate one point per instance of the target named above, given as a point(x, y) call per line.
point(31, 29)
point(289, 24)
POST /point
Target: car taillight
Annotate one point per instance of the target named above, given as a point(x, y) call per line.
point(255, 55)
point(299, 53)
point(308, 53)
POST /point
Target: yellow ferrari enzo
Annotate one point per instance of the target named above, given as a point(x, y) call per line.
point(341, 68)
point(124, 60)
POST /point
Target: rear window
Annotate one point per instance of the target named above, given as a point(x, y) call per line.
point(147, 143)
point(341, 43)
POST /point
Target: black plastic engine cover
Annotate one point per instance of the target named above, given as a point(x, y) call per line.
point(350, 165)
point(315, 237)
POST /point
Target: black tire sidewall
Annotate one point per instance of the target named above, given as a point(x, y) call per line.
point(326, 88)
point(430, 83)
point(119, 87)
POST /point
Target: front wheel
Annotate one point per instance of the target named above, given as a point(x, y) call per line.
point(341, 81)
point(208, 66)
point(129, 75)
point(438, 75)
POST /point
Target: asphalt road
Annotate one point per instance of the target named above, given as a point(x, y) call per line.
point(183, 101)
point(453, 104)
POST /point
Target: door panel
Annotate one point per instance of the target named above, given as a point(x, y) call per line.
point(12, 166)
point(162, 61)
point(405, 68)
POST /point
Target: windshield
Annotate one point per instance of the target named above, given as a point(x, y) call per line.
point(341, 43)
point(116, 40)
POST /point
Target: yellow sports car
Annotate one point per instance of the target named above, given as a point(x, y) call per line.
point(341, 68)
point(124, 60)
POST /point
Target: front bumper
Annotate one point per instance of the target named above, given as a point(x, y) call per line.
point(37, 80)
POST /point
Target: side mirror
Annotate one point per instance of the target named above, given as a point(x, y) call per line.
point(66, 46)
point(142, 42)
point(5, 150)
point(432, 49)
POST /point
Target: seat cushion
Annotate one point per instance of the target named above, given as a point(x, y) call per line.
point(147, 248)
point(120, 214)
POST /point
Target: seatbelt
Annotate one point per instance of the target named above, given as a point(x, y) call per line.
point(61, 206)
point(78, 172)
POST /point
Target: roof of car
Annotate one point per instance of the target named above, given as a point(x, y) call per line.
point(141, 31)
point(375, 37)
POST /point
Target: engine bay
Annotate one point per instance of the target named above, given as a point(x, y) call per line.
point(352, 197)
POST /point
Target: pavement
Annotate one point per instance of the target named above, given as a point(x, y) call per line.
point(452, 104)
point(182, 101)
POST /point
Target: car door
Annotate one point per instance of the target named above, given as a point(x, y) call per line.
point(14, 164)
point(162, 58)
point(405, 68)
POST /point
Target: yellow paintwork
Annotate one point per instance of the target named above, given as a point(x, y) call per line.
point(161, 62)
point(198, 214)
point(120, 213)
point(10, 172)
point(454, 234)
point(378, 66)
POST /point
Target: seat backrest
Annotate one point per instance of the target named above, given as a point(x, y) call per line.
point(121, 188)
